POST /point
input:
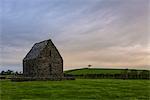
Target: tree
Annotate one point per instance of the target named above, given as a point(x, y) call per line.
point(3, 73)
point(16, 73)
point(9, 72)
point(89, 66)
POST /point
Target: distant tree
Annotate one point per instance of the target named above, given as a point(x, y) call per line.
point(16, 73)
point(3, 72)
point(89, 66)
point(9, 72)
point(20, 72)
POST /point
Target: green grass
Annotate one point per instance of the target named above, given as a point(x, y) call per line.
point(80, 89)
point(94, 71)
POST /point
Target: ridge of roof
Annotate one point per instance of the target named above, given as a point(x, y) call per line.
point(43, 41)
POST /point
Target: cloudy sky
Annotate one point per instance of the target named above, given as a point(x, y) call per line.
point(103, 33)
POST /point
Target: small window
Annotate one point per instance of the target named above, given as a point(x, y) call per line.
point(50, 68)
point(50, 53)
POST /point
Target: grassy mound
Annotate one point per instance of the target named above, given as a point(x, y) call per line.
point(85, 71)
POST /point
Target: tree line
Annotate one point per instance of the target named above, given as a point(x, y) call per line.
point(10, 72)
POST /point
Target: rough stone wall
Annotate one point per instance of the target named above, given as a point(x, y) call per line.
point(55, 64)
point(48, 64)
point(30, 68)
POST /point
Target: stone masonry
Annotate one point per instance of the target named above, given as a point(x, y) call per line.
point(43, 61)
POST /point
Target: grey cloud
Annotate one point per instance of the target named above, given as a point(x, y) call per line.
point(76, 27)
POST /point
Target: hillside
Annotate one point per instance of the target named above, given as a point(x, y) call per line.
point(85, 71)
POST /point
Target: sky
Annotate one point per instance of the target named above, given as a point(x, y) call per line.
point(103, 33)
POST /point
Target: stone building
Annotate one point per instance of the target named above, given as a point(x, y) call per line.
point(43, 61)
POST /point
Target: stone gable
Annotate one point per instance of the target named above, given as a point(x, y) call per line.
point(43, 61)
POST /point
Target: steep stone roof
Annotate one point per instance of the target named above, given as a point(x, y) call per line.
point(36, 49)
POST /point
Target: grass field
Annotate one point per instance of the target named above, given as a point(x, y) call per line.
point(79, 89)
